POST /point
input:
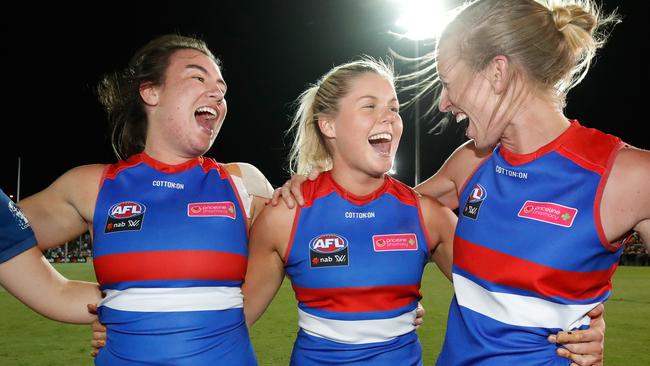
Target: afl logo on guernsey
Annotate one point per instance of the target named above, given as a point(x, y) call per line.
point(474, 201)
point(328, 250)
point(125, 216)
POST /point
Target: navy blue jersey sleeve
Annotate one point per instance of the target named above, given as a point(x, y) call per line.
point(16, 236)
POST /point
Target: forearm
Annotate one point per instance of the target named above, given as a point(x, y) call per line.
point(441, 189)
point(258, 295)
point(263, 279)
point(31, 279)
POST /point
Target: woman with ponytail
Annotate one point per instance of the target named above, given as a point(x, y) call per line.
point(355, 253)
point(544, 202)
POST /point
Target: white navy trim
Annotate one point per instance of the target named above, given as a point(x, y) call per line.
point(356, 331)
point(174, 299)
point(524, 311)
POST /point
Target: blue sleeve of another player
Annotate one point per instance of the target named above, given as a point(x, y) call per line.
point(16, 236)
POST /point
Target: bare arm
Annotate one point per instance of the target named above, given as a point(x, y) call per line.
point(64, 210)
point(31, 279)
point(268, 242)
point(642, 208)
point(625, 204)
point(59, 213)
point(440, 224)
point(446, 183)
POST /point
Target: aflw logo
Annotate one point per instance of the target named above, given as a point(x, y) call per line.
point(125, 216)
point(474, 201)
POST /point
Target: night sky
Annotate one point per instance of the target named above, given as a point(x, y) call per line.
point(270, 50)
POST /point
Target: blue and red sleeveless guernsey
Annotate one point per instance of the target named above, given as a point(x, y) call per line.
point(530, 254)
point(170, 254)
point(356, 264)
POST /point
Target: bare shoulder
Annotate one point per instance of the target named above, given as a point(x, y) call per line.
point(439, 219)
point(86, 174)
point(278, 217)
point(78, 183)
point(633, 160)
point(272, 228)
point(626, 197)
point(430, 205)
point(255, 182)
point(631, 172)
point(435, 210)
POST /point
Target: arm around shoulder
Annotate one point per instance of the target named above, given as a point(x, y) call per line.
point(446, 183)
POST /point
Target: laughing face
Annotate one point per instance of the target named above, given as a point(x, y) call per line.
point(186, 111)
point(365, 132)
point(468, 94)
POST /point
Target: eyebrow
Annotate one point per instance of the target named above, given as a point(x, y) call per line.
point(375, 98)
point(205, 71)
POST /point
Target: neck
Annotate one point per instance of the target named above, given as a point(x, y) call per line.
point(539, 123)
point(357, 183)
point(166, 156)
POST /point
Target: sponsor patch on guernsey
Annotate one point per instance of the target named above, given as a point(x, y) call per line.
point(548, 212)
point(474, 201)
point(328, 250)
point(125, 216)
point(211, 209)
point(394, 242)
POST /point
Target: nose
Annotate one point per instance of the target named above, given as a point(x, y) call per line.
point(389, 115)
point(444, 104)
point(216, 92)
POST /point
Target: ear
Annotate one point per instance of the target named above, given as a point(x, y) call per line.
point(327, 126)
point(149, 93)
point(499, 73)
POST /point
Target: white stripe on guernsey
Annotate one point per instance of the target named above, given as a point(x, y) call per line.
point(245, 197)
point(356, 331)
point(174, 299)
point(524, 311)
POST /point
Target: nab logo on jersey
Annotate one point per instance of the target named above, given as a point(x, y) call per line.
point(328, 250)
point(125, 216)
point(474, 201)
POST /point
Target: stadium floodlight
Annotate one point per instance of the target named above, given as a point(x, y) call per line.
point(422, 19)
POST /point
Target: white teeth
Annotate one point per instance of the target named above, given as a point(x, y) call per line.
point(381, 136)
point(206, 109)
point(460, 117)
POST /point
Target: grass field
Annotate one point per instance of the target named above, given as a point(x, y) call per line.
point(29, 339)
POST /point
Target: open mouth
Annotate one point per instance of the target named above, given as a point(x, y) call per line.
point(204, 116)
point(381, 142)
point(460, 116)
